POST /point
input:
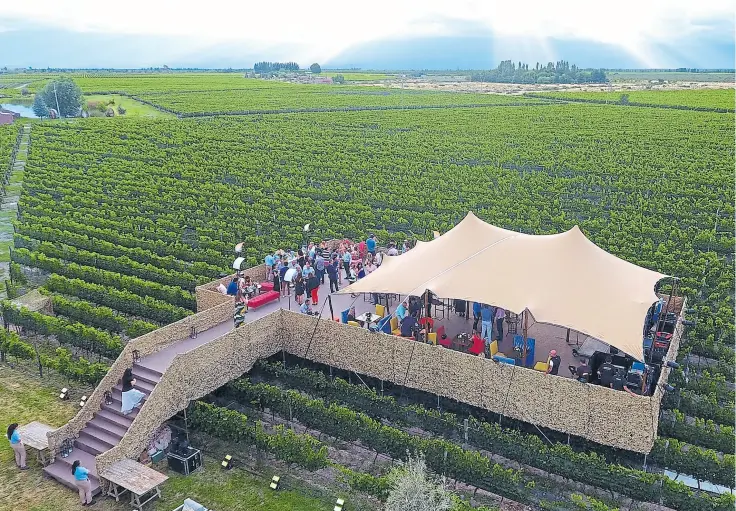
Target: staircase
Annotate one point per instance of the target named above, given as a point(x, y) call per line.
point(106, 429)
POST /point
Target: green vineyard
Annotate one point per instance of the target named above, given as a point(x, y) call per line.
point(121, 219)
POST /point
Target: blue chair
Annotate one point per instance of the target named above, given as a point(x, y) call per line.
point(519, 343)
point(504, 360)
point(384, 325)
point(638, 367)
point(344, 316)
point(531, 345)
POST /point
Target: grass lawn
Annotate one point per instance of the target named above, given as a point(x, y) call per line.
point(134, 108)
point(24, 398)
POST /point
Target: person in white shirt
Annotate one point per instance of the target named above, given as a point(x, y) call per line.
point(392, 250)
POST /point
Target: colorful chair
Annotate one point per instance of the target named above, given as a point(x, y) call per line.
point(354, 323)
point(344, 315)
point(494, 350)
point(380, 310)
point(395, 326)
point(432, 338)
point(427, 323)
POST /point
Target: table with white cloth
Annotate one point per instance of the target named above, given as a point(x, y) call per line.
point(363, 318)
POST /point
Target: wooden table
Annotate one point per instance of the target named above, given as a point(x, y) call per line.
point(34, 436)
point(131, 476)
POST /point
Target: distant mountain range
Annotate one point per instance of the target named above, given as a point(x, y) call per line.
point(42, 47)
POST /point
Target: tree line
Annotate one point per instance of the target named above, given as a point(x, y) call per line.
point(272, 67)
point(554, 72)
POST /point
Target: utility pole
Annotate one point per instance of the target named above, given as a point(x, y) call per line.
point(58, 110)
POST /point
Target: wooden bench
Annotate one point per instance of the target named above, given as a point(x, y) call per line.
point(263, 299)
point(131, 476)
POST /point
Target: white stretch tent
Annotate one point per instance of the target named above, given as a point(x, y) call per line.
point(562, 279)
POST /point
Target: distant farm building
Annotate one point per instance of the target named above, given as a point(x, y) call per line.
point(6, 118)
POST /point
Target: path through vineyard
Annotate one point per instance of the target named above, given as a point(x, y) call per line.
point(9, 206)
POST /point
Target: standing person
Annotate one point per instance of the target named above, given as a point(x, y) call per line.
point(17, 444)
point(276, 279)
point(405, 247)
point(402, 310)
point(362, 249)
point(333, 273)
point(301, 259)
point(554, 362)
point(319, 265)
point(299, 288)
point(313, 287)
point(370, 244)
point(346, 260)
point(282, 273)
point(269, 265)
point(606, 372)
point(486, 317)
point(81, 479)
point(476, 314)
point(500, 316)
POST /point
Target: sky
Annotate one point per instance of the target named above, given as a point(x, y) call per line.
point(324, 30)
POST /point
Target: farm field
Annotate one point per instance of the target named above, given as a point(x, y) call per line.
point(624, 76)
point(121, 218)
point(708, 98)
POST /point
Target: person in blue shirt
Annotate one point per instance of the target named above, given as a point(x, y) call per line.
point(17, 444)
point(81, 479)
point(402, 311)
point(319, 265)
point(232, 288)
point(476, 314)
point(486, 316)
point(269, 264)
point(306, 307)
point(370, 244)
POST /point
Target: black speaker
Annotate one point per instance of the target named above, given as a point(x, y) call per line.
point(185, 463)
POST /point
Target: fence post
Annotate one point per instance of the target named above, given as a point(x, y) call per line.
point(465, 426)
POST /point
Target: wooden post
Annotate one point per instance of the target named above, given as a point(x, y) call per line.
point(526, 332)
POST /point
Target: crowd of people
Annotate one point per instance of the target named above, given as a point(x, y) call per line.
point(301, 272)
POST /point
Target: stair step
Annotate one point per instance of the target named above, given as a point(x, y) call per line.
point(91, 445)
point(143, 386)
point(115, 408)
point(87, 460)
point(145, 374)
point(100, 435)
point(107, 426)
point(118, 419)
point(63, 473)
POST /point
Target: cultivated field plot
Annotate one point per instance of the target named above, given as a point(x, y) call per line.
point(268, 98)
point(707, 98)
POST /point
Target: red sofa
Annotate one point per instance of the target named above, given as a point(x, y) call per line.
point(263, 299)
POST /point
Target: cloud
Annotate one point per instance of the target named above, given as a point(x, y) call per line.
point(323, 29)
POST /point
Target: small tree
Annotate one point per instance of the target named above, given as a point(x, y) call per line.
point(39, 107)
point(25, 91)
point(413, 488)
point(338, 79)
point(314, 68)
point(65, 93)
point(121, 110)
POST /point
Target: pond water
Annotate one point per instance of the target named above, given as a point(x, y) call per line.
point(24, 109)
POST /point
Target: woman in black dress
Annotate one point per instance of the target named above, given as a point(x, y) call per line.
point(299, 288)
point(276, 279)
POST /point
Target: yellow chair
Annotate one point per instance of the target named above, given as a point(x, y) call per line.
point(494, 350)
point(432, 338)
point(354, 323)
point(541, 366)
point(381, 310)
point(395, 330)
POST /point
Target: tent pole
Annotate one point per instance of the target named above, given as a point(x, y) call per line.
point(526, 331)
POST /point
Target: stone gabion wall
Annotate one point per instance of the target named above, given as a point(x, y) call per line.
point(146, 345)
point(600, 414)
point(193, 375)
